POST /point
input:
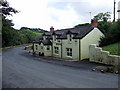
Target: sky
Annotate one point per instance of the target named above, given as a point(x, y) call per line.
point(58, 13)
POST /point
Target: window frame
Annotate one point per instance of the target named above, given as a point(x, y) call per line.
point(69, 52)
point(70, 37)
point(56, 50)
point(48, 48)
point(36, 47)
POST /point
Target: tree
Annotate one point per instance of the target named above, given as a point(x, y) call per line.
point(103, 16)
point(6, 9)
point(112, 35)
point(8, 32)
point(104, 22)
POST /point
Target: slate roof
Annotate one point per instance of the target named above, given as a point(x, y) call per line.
point(77, 32)
point(46, 42)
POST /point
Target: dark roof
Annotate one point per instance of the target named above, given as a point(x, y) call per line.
point(77, 32)
point(46, 42)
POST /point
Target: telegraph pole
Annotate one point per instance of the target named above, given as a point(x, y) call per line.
point(114, 11)
point(90, 15)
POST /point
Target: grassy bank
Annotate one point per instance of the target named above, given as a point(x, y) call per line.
point(114, 49)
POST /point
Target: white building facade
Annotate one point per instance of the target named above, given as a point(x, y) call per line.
point(119, 10)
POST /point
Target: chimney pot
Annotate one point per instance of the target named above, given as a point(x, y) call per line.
point(51, 29)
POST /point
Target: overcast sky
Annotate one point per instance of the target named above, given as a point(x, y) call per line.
point(57, 13)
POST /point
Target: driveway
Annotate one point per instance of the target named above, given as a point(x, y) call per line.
point(21, 70)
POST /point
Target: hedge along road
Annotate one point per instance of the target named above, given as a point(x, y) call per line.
point(25, 72)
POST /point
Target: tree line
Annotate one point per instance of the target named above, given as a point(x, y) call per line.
point(11, 36)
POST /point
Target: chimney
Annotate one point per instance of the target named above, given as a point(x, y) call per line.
point(94, 23)
point(51, 29)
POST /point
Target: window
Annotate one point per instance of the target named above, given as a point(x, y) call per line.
point(56, 50)
point(41, 47)
point(69, 51)
point(55, 38)
point(48, 48)
point(36, 47)
point(58, 40)
point(70, 39)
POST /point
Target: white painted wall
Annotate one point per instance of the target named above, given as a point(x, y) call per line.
point(92, 38)
point(38, 49)
point(119, 9)
point(47, 52)
point(74, 44)
point(100, 56)
point(59, 46)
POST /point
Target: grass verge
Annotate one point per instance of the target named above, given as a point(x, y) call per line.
point(114, 49)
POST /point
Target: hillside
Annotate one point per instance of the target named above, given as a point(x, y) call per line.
point(33, 29)
point(114, 49)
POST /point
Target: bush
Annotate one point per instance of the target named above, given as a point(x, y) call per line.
point(112, 35)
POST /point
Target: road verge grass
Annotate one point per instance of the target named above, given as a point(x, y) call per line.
point(114, 49)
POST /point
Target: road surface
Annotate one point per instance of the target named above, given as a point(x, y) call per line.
point(21, 71)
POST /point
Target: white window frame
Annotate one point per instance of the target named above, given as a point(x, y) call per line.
point(48, 48)
point(69, 52)
point(70, 37)
point(56, 50)
point(36, 47)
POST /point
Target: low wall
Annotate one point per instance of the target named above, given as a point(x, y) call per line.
point(96, 54)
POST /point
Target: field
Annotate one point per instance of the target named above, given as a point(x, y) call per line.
point(114, 49)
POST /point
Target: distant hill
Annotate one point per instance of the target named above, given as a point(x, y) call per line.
point(34, 29)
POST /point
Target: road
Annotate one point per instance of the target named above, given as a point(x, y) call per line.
point(20, 71)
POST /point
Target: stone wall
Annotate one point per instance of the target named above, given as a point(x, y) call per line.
point(96, 54)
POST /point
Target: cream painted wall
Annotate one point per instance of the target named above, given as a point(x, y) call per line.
point(74, 44)
point(92, 38)
point(41, 48)
point(119, 9)
point(59, 46)
point(47, 52)
point(38, 48)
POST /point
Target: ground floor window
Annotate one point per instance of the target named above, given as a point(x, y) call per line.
point(48, 48)
point(69, 51)
point(36, 47)
point(56, 50)
point(41, 47)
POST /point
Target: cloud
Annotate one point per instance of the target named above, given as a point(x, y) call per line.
point(58, 13)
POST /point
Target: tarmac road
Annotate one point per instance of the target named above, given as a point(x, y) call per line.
point(26, 72)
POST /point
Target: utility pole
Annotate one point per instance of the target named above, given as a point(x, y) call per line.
point(114, 11)
point(90, 15)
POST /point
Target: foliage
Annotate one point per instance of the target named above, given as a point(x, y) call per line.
point(33, 29)
point(112, 35)
point(103, 21)
point(86, 24)
point(103, 16)
point(114, 49)
point(11, 36)
point(6, 9)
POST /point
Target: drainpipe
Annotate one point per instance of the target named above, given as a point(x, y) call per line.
point(52, 48)
point(79, 50)
point(33, 49)
point(61, 48)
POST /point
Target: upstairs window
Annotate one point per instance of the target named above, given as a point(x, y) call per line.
point(48, 48)
point(70, 38)
point(56, 50)
point(36, 47)
point(69, 51)
point(41, 47)
point(54, 38)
